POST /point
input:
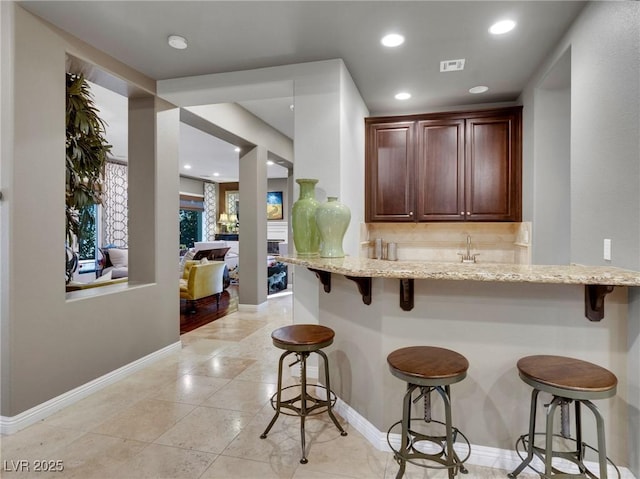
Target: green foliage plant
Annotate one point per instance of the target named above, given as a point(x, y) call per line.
point(87, 150)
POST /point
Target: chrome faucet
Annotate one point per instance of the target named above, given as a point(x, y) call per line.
point(468, 257)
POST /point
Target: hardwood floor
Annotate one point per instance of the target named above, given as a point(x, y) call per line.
point(207, 310)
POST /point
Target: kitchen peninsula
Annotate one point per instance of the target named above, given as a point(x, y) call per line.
point(599, 280)
point(491, 313)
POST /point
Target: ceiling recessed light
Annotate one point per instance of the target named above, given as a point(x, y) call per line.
point(216, 174)
point(502, 26)
point(392, 40)
point(237, 150)
point(478, 89)
point(187, 167)
point(269, 162)
point(177, 42)
point(403, 96)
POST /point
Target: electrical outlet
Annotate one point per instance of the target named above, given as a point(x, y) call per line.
point(607, 249)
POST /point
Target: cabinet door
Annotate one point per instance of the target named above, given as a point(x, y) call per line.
point(390, 172)
point(440, 173)
point(493, 164)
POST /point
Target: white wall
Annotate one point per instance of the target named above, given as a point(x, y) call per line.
point(552, 177)
point(329, 136)
point(605, 158)
point(6, 173)
point(352, 113)
point(55, 343)
point(492, 325)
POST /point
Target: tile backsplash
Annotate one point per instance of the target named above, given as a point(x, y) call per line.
point(444, 242)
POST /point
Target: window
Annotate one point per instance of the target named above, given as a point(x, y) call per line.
point(88, 237)
point(190, 215)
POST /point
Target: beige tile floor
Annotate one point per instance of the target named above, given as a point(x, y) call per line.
point(198, 414)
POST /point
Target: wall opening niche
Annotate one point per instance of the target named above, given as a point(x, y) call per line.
point(102, 247)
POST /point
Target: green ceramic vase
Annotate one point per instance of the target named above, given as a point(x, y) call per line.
point(333, 220)
point(306, 237)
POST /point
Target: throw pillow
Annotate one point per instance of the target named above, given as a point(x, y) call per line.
point(119, 257)
point(188, 256)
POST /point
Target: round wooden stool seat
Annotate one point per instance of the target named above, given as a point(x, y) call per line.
point(567, 377)
point(569, 380)
point(427, 365)
point(302, 337)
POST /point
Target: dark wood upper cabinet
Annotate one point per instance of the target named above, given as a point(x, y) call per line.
point(390, 171)
point(440, 175)
point(459, 166)
point(493, 168)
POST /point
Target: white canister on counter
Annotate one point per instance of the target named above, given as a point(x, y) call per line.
point(378, 250)
point(392, 251)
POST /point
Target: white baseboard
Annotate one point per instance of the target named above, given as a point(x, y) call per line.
point(254, 308)
point(10, 425)
point(493, 457)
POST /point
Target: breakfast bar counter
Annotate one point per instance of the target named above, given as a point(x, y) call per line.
point(512, 273)
point(598, 280)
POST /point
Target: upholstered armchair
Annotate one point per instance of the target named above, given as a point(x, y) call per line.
point(201, 279)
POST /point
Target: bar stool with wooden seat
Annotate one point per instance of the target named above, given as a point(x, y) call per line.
point(428, 369)
point(302, 340)
point(568, 380)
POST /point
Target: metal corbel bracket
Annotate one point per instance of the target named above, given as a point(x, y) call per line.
point(324, 277)
point(594, 300)
point(364, 287)
point(406, 294)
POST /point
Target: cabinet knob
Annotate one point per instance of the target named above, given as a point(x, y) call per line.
point(410, 213)
point(462, 213)
point(468, 213)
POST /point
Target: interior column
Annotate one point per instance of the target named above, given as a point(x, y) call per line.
point(253, 227)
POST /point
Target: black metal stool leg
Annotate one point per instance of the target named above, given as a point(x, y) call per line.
point(328, 390)
point(579, 444)
point(602, 448)
point(278, 395)
point(532, 433)
point(406, 426)
point(303, 403)
point(548, 448)
point(448, 430)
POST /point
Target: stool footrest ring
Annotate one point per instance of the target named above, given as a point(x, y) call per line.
point(413, 454)
point(522, 447)
point(318, 406)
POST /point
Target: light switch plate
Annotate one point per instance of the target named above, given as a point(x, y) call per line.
point(607, 249)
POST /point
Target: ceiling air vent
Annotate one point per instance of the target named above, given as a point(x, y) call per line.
point(452, 65)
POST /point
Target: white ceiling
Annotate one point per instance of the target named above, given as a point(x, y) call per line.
point(228, 36)
point(208, 157)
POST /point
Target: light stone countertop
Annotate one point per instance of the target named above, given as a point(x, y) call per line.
point(511, 273)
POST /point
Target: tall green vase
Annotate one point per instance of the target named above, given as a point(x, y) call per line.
point(333, 220)
point(303, 217)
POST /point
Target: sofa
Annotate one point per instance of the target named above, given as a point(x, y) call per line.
point(201, 279)
point(114, 260)
point(231, 256)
